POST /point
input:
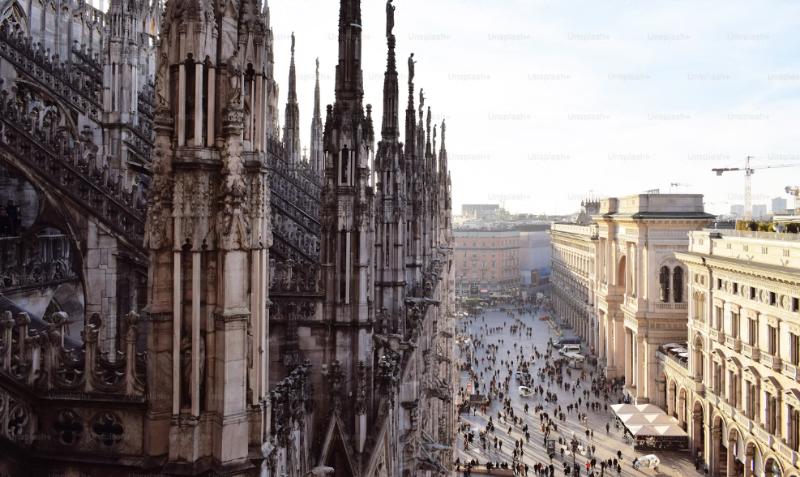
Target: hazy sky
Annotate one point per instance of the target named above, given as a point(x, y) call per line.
point(549, 101)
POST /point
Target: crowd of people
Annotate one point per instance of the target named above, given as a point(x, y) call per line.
point(544, 431)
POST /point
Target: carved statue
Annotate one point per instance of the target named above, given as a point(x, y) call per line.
point(411, 68)
point(421, 98)
point(235, 79)
point(162, 79)
point(389, 18)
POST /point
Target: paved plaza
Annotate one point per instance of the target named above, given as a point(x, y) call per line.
point(532, 332)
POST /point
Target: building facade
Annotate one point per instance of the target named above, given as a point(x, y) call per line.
point(573, 276)
point(198, 298)
point(641, 285)
point(738, 394)
point(487, 260)
point(618, 284)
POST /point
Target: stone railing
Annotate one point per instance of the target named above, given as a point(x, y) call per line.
point(46, 362)
point(783, 237)
point(141, 143)
point(71, 168)
point(288, 277)
point(716, 335)
point(751, 351)
point(771, 361)
point(733, 343)
point(791, 371)
point(286, 248)
point(76, 88)
point(590, 231)
point(672, 306)
point(295, 203)
point(83, 59)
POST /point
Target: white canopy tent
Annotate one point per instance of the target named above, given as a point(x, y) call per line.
point(650, 426)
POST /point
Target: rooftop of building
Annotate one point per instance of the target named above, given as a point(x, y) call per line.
point(655, 205)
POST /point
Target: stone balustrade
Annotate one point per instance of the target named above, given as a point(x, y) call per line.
point(71, 166)
point(771, 361)
point(751, 351)
point(733, 343)
point(45, 361)
point(73, 86)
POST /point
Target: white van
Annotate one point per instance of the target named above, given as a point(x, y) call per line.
point(569, 348)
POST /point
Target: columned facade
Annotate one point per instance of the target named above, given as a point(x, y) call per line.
point(742, 378)
point(573, 279)
point(641, 286)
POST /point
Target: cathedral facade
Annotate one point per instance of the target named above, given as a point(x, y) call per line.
point(182, 292)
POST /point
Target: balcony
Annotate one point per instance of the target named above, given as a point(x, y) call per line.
point(716, 335)
point(672, 306)
point(733, 343)
point(745, 421)
point(787, 452)
point(699, 388)
point(763, 435)
point(791, 371)
point(726, 408)
point(770, 361)
point(751, 351)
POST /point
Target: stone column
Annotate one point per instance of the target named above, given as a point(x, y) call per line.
point(211, 117)
point(198, 104)
point(181, 104)
point(196, 355)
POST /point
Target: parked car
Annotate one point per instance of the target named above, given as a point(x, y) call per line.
point(650, 461)
point(572, 340)
point(570, 348)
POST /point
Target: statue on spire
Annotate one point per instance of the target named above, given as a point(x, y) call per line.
point(292, 43)
point(411, 64)
point(389, 18)
point(421, 98)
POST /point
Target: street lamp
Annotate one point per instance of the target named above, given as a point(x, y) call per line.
point(320, 471)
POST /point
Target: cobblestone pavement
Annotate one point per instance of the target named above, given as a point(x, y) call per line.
point(673, 464)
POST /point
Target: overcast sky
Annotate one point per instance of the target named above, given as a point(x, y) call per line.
point(548, 101)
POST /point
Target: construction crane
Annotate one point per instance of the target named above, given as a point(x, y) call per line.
point(674, 185)
point(748, 181)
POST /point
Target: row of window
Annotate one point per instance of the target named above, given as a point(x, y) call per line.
point(745, 395)
point(767, 297)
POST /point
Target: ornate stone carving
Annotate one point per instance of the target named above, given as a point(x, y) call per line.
point(67, 427)
point(107, 429)
point(361, 388)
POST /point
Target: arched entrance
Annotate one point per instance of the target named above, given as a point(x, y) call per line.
point(752, 460)
point(672, 395)
point(683, 406)
point(735, 466)
point(698, 430)
point(719, 454)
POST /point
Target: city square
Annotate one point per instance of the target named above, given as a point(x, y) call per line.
point(510, 346)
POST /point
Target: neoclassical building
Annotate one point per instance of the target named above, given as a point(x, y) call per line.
point(573, 276)
point(181, 293)
point(641, 285)
point(738, 394)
